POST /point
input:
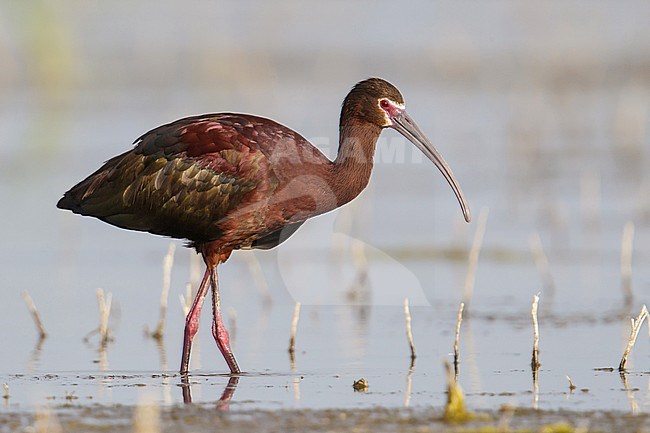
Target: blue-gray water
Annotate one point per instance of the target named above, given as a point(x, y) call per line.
point(542, 110)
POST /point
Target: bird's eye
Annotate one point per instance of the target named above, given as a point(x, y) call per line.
point(384, 104)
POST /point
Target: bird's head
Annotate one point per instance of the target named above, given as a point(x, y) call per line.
point(378, 102)
point(373, 100)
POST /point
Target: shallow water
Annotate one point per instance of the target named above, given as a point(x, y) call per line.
point(336, 347)
point(554, 140)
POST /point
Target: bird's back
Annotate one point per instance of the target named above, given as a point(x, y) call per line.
point(201, 178)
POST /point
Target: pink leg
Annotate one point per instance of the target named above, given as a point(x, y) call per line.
point(219, 331)
point(192, 322)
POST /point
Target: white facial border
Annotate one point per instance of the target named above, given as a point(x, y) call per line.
point(393, 104)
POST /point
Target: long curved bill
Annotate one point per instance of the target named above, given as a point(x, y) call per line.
point(406, 126)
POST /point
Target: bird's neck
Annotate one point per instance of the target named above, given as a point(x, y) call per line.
point(353, 164)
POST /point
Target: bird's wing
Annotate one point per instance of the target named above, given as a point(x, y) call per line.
point(181, 179)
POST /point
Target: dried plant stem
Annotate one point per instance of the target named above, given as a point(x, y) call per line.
point(168, 263)
point(146, 417)
point(35, 315)
point(535, 361)
point(103, 358)
point(186, 301)
point(474, 252)
point(46, 421)
point(627, 244)
point(541, 262)
point(457, 338)
point(294, 329)
point(409, 334)
point(634, 332)
point(409, 385)
point(572, 387)
point(260, 280)
point(162, 353)
point(104, 313)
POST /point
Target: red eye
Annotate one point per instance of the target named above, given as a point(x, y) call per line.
point(384, 104)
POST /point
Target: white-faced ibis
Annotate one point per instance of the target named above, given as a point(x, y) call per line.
point(235, 181)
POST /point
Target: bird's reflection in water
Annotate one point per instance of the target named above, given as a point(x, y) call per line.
point(226, 396)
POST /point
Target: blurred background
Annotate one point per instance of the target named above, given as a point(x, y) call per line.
point(541, 108)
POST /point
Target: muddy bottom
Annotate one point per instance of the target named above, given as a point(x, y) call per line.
point(210, 418)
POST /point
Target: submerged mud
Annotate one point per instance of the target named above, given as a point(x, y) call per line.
point(211, 417)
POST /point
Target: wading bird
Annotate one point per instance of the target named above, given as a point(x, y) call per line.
point(230, 181)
